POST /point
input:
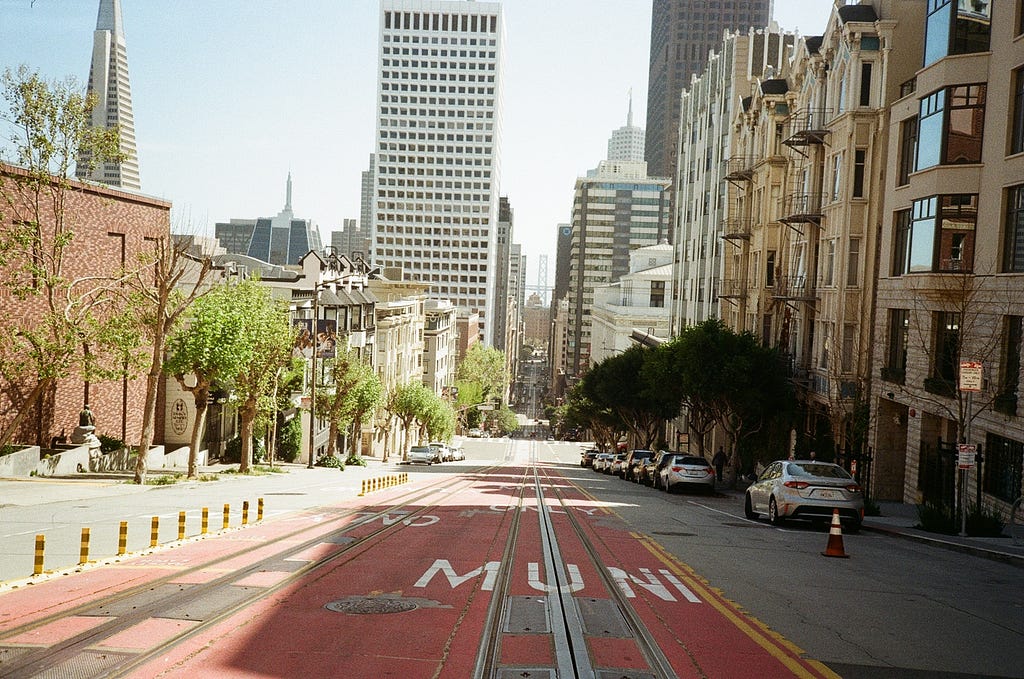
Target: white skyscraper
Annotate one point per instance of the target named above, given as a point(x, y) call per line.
point(438, 147)
point(627, 143)
point(108, 81)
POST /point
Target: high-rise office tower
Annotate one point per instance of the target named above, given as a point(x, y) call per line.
point(366, 198)
point(502, 289)
point(438, 148)
point(682, 34)
point(108, 82)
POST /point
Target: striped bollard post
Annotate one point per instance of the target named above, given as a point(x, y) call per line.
point(181, 526)
point(205, 526)
point(227, 517)
point(154, 532)
point(83, 553)
point(122, 539)
point(259, 509)
point(40, 548)
point(245, 512)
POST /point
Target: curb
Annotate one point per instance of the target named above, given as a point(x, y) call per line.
point(991, 554)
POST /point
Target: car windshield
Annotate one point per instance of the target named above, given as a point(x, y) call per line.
point(828, 471)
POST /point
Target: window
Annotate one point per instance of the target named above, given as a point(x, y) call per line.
point(908, 150)
point(658, 294)
point(837, 166)
point(956, 28)
point(849, 336)
point(830, 262)
point(1013, 255)
point(951, 126)
point(1004, 461)
point(941, 235)
point(1009, 379)
point(1017, 118)
point(947, 347)
point(859, 159)
point(865, 84)
point(853, 263)
point(769, 270)
point(896, 357)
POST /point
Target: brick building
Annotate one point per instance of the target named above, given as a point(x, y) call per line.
point(111, 228)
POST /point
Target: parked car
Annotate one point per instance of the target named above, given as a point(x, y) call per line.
point(475, 433)
point(634, 459)
point(421, 454)
point(614, 465)
point(457, 454)
point(650, 471)
point(688, 471)
point(805, 489)
point(587, 457)
point(601, 461)
point(442, 453)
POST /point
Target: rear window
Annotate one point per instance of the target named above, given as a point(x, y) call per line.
point(689, 459)
point(641, 454)
point(829, 471)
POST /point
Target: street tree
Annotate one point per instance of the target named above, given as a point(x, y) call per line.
point(211, 350)
point(408, 402)
point(161, 296)
point(367, 396)
point(268, 338)
point(438, 417)
point(49, 123)
point(604, 423)
point(484, 366)
point(335, 401)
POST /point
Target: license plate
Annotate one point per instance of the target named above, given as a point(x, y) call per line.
point(830, 495)
point(694, 472)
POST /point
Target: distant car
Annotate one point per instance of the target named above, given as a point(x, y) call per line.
point(601, 461)
point(634, 459)
point(650, 471)
point(475, 433)
point(688, 471)
point(615, 464)
point(587, 457)
point(421, 454)
point(805, 489)
point(457, 454)
point(442, 453)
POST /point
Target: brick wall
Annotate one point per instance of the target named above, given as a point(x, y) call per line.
point(110, 227)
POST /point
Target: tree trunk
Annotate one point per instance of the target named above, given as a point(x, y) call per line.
point(149, 410)
point(248, 420)
point(30, 401)
point(332, 438)
point(202, 397)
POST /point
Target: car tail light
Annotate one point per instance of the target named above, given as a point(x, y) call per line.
point(853, 488)
point(799, 485)
point(677, 469)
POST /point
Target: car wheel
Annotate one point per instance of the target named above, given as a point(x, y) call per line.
point(748, 508)
point(773, 512)
point(668, 486)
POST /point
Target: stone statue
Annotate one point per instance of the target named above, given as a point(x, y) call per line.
point(84, 433)
point(85, 418)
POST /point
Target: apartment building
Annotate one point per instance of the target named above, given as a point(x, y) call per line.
point(951, 261)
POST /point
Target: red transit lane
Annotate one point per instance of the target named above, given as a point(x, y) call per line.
point(509, 571)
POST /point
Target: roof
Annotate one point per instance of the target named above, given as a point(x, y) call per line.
point(859, 13)
point(774, 86)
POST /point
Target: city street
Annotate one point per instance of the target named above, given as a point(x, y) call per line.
point(516, 562)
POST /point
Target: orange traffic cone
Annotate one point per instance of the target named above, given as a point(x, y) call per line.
point(835, 538)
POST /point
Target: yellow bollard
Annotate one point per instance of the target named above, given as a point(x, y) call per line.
point(259, 509)
point(40, 548)
point(154, 532)
point(122, 539)
point(245, 512)
point(205, 526)
point(362, 488)
point(227, 516)
point(83, 554)
point(181, 525)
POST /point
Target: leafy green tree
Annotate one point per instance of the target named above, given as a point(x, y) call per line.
point(438, 418)
point(269, 338)
point(335, 401)
point(49, 123)
point(604, 424)
point(409, 403)
point(506, 420)
point(367, 396)
point(483, 366)
point(211, 348)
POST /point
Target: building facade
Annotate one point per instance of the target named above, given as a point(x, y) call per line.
point(440, 346)
point(109, 84)
point(438, 148)
point(353, 240)
point(627, 143)
point(503, 273)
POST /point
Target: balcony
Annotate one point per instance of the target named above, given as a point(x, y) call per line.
point(732, 288)
point(794, 288)
point(801, 208)
point(807, 128)
point(735, 229)
point(739, 169)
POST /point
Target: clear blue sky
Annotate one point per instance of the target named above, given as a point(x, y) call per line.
point(229, 95)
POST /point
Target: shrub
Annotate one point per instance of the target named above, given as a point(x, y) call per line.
point(985, 522)
point(233, 451)
point(289, 441)
point(355, 461)
point(330, 461)
point(109, 444)
point(936, 519)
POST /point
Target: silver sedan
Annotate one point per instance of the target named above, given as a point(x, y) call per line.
point(805, 489)
point(688, 471)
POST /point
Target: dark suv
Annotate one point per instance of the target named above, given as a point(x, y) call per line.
point(636, 457)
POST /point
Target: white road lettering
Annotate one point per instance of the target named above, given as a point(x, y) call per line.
point(454, 579)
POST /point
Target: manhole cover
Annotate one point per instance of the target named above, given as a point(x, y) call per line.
point(368, 605)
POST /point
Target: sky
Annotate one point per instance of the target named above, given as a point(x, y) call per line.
point(229, 96)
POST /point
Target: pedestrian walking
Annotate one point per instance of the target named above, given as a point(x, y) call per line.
point(719, 461)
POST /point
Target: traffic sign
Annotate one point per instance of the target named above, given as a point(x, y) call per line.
point(966, 454)
point(970, 375)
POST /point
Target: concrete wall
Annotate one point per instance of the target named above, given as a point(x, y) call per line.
point(71, 461)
